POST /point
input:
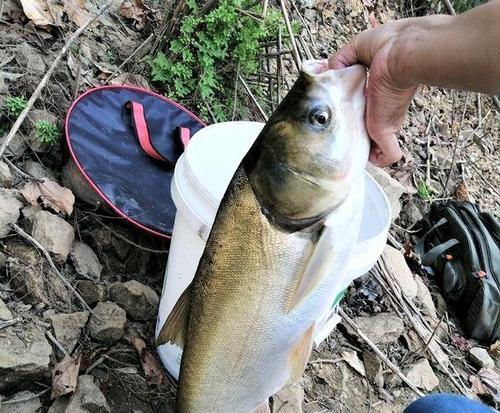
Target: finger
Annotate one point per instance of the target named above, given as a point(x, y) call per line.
point(347, 56)
point(387, 153)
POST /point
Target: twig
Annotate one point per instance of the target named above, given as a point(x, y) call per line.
point(210, 112)
point(24, 399)
point(378, 352)
point(264, 8)
point(128, 59)
point(56, 343)
point(8, 323)
point(449, 7)
point(329, 361)
point(456, 145)
point(23, 174)
point(28, 237)
point(432, 336)
point(304, 23)
point(252, 97)
point(46, 77)
point(235, 98)
point(295, 50)
point(279, 66)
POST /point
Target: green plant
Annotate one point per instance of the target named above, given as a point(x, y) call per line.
point(15, 105)
point(463, 5)
point(46, 132)
point(199, 60)
point(424, 190)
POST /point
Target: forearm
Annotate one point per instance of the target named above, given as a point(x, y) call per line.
point(460, 52)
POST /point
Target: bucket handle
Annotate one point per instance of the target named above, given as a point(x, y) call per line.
point(143, 136)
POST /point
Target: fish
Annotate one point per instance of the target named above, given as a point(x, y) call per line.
point(284, 230)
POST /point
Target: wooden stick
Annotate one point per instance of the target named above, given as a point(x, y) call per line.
point(264, 8)
point(28, 237)
point(56, 343)
point(378, 352)
point(254, 100)
point(8, 323)
point(48, 74)
point(295, 50)
point(449, 7)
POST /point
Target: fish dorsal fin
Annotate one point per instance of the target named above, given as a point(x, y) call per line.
point(318, 266)
point(263, 408)
point(299, 356)
point(175, 327)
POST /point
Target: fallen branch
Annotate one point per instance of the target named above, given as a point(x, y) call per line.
point(33, 241)
point(24, 399)
point(295, 50)
point(378, 352)
point(449, 7)
point(56, 343)
point(254, 100)
point(8, 323)
point(46, 77)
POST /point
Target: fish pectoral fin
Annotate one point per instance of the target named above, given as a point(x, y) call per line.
point(318, 266)
point(175, 327)
point(299, 356)
point(263, 408)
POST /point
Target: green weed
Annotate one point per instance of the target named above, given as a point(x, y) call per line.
point(461, 6)
point(15, 105)
point(424, 191)
point(46, 132)
point(199, 60)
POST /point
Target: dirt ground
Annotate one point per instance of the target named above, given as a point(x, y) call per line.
point(48, 339)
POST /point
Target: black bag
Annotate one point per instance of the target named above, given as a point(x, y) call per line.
point(462, 244)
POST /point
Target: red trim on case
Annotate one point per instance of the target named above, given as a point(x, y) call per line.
point(82, 171)
point(141, 130)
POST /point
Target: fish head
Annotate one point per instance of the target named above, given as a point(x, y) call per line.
point(314, 146)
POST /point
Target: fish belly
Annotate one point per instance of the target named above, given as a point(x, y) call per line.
point(240, 331)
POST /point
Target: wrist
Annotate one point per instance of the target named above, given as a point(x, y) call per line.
point(410, 57)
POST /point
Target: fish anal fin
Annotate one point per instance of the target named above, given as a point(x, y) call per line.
point(175, 327)
point(318, 266)
point(263, 408)
point(299, 356)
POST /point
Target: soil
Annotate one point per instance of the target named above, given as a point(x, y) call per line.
point(450, 141)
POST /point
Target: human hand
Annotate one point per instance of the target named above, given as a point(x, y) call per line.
point(389, 91)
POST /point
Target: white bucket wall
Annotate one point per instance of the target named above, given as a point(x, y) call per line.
point(201, 177)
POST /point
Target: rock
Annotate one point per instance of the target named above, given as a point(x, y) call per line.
point(441, 305)
point(68, 327)
point(424, 298)
point(381, 328)
point(92, 292)
point(60, 404)
point(9, 211)
point(30, 60)
point(85, 261)
point(374, 369)
point(392, 188)
point(109, 324)
point(480, 358)
point(54, 233)
point(5, 313)
point(73, 179)
point(33, 279)
point(17, 145)
point(415, 343)
point(398, 266)
point(352, 359)
point(30, 210)
point(24, 356)
point(33, 139)
point(37, 170)
point(32, 405)
point(413, 213)
point(139, 301)
point(422, 376)
point(88, 397)
point(5, 175)
point(289, 399)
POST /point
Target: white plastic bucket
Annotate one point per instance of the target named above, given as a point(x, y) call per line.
point(201, 177)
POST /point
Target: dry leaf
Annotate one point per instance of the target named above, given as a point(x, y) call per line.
point(76, 11)
point(65, 376)
point(351, 358)
point(52, 194)
point(38, 12)
point(134, 10)
point(462, 192)
point(495, 349)
point(476, 386)
point(150, 364)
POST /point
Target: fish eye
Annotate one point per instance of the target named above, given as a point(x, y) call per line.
point(320, 117)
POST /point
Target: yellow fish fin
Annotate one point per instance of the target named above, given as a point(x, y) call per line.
point(175, 327)
point(299, 356)
point(263, 408)
point(318, 266)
